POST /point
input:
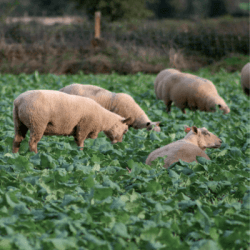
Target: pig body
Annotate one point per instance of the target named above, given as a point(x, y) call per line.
point(193, 144)
point(48, 112)
point(187, 91)
point(119, 103)
point(245, 79)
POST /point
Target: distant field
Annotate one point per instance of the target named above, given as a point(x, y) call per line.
point(66, 45)
point(63, 198)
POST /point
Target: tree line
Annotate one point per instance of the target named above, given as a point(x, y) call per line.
point(113, 10)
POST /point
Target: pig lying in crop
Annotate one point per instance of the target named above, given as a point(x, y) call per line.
point(193, 144)
point(187, 91)
point(245, 78)
point(121, 104)
point(48, 112)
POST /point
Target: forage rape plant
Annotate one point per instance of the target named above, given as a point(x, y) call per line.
point(64, 198)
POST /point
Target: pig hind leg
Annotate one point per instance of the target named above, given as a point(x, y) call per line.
point(20, 133)
point(182, 104)
point(247, 91)
point(168, 105)
point(80, 136)
point(36, 136)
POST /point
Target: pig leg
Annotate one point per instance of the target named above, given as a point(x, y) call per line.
point(80, 143)
point(36, 136)
point(168, 104)
point(181, 103)
point(93, 135)
point(20, 133)
point(34, 139)
point(182, 106)
point(80, 136)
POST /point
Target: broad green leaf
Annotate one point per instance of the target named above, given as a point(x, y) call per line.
point(173, 174)
point(117, 204)
point(94, 239)
point(21, 209)
point(5, 244)
point(235, 152)
point(120, 229)
point(202, 161)
point(35, 159)
point(68, 199)
point(154, 245)
point(153, 186)
point(96, 167)
point(10, 199)
point(24, 148)
point(205, 244)
point(154, 136)
point(88, 182)
point(222, 153)
point(102, 193)
point(151, 234)
point(212, 185)
point(21, 242)
point(47, 161)
point(21, 163)
point(62, 244)
point(246, 201)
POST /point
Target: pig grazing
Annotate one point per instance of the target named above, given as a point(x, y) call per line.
point(49, 112)
point(245, 78)
point(187, 91)
point(121, 104)
point(193, 144)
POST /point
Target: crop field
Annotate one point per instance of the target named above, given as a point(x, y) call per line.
point(63, 198)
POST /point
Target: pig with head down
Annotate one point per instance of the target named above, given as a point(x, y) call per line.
point(119, 103)
point(188, 91)
point(49, 112)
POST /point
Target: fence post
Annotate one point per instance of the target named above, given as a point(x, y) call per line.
point(98, 24)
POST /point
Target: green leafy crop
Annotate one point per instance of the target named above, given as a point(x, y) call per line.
point(106, 197)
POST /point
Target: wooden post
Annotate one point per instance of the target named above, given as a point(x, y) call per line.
point(98, 24)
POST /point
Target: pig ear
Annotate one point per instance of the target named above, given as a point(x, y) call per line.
point(195, 129)
point(126, 120)
point(187, 129)
point(153, 123)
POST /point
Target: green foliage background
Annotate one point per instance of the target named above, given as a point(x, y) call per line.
point(63, 198)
